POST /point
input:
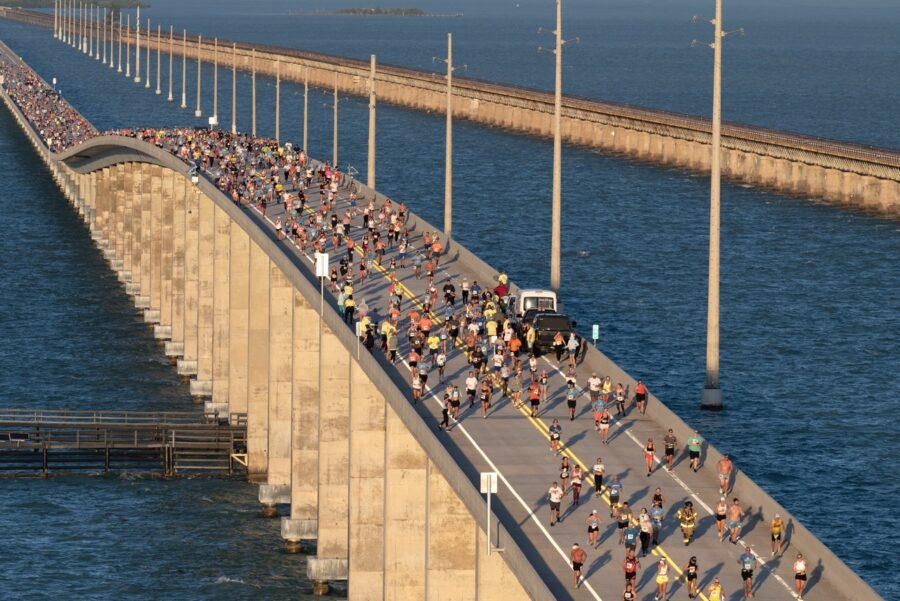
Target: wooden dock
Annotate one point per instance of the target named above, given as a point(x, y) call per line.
point(59, 442)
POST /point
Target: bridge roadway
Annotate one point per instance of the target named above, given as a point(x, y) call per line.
point(516, 446)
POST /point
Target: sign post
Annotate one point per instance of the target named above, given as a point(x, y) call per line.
point(488, 487)
point(595, 333)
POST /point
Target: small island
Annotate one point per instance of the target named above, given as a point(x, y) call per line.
point(381, 12)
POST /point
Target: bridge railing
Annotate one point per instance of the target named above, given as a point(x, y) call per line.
point(65, 416)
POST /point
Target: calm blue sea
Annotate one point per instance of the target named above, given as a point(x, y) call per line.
point(810, 293)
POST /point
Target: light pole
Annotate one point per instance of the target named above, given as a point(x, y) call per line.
point(556, 209)
point(158, 58)
point(371, 160)
point(334, 142)
point(184, 68)
point(215, 115)
point(253, 92)
point(119, 60)
point(55, 19)
point(128, 48)
point(278, 102)
point(712, 393)
point(233, 88)
point(305, 110)
point(137, 46)
point(105, 29)
point(448, 147)
point(147, 44)
point(198, 113)
point(171, 53)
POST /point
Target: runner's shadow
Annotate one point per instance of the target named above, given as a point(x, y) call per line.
point(703, 525)
point(753, 519)
point(709, 575)
point(814, 577)
point(636, 496)
point(598, 563)
point(570, 442)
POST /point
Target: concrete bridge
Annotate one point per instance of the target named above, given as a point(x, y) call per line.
point(848, 174)
point(392, 508)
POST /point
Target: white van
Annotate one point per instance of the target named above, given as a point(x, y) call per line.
point(533, 298)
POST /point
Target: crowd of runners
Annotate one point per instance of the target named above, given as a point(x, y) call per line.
point(424, 331)
point(59, 125)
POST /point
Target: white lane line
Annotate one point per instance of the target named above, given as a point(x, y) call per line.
point(531, 514)
point(690, 492)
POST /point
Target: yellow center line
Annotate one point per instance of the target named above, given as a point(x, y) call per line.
point(539, 425)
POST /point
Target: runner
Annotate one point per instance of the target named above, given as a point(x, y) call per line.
point(578, 557)
point(724, 468)
point(593, 524)
point(662, 580)
point(649, 455)
point(620, 399)
point(559, 347)
point(688, 519)
point(485, 396)
point(721, 514)
point(555, 495)
point(640, 395)
point(645, 523)
point(777, 527)
point(454, 403)
point(631, 565)
point(735, 517)
point(629, 594)
point(670, 442)
point(555, 433)
point(572, 395)
point(656, 515)
point(564, 472)
point(445, 411)
point(615, 489)
point(515, 388)
point(471, 388)
point(594, 385)
point(623, 521)
point(746, 561)
point(598, 470)
point(605, 417)
point(715, 591)
point(545, 380)
point(800, 567)
point(534, 395)
point(630, 536)
point(694, 445)
point(577, 476)
point(690, 575)
point(572, 347)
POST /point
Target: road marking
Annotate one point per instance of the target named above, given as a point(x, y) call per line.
point(543, 430)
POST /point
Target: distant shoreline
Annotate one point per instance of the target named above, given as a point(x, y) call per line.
point(351, 12)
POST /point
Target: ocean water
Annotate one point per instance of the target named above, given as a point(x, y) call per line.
point(810, 293)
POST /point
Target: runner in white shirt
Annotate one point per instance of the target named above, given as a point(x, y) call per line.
point(555, 494)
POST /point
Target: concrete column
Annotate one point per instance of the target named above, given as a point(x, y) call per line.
point(850, 188)
point(202, 386)
point(281, 304)
point(494, 578)
point(175, 347)
point(101, 195)
point(128, 195)
point(239, 307)
point(405, 518)
point(767, 171)
point(169, 182)
point(188, 365)
point(146, 244)
point(815, 180)
point(152, 315)
point(221, 313)
point(367, 488)
point(258, 367)
point(302, 523)
point(120, 193)
point(889, 196)
point(138, 276)
point(452, 551)
point(833, 183)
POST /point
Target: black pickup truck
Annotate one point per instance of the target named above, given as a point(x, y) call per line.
point(546, 325)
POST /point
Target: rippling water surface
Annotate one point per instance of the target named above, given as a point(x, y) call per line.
point(810, 293)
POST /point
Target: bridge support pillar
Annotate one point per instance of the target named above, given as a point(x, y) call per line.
point(191, 281)
point(321, 571)
point(221, 293)
point(155, 260)
point(294, 532)
point(206, 295)
point(304, 452)
point(272, 495)
point(175, 348)
point(889, 196)
point(280, 386)
point(238, 320)
point(166, 256)
point(258, 366)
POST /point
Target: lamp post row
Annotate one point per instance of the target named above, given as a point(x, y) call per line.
point(80, 31)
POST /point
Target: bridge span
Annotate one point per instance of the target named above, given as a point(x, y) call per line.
point(391, 503)
point(843, 173)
